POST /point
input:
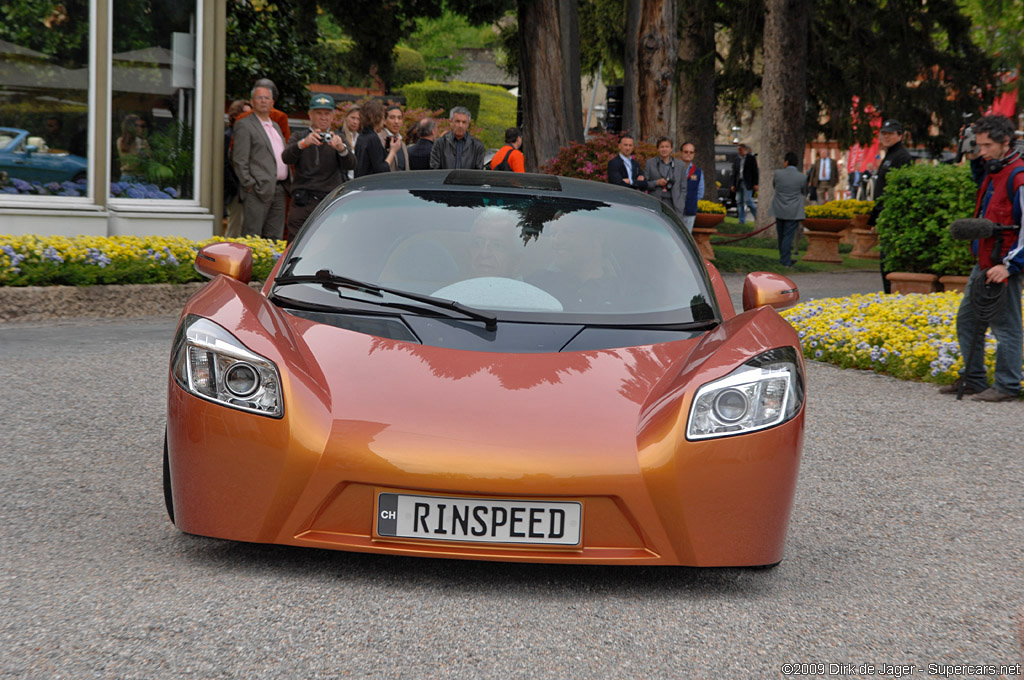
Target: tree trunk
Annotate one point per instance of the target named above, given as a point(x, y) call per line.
point(695, 105)
point(784, 88)
point(630, 117)
point(653, 43)
point(549, 73)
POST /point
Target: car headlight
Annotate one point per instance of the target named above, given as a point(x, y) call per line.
point(765, 391)
point(209, 362)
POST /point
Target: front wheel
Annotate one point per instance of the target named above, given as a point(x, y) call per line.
point(168, 497)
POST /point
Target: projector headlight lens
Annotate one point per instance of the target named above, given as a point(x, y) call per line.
point(765, 391)
point(209, 362)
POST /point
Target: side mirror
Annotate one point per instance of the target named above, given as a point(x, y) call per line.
point(31, 149)
point(233, 260)
point(764, 288)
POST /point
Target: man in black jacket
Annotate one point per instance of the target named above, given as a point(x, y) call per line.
point(457, 149)
point(419, 152)
point(890, 138)
point(319, 157)
point(744, 181)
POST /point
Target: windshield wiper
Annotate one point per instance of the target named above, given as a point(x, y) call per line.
point(332, 281)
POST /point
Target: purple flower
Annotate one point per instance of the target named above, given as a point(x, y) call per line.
point(53, 187)
point(51, 254)
point(135, 192)
point(171, 191)
point(21, 185)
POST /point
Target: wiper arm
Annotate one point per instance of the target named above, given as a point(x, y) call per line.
point(332, 281)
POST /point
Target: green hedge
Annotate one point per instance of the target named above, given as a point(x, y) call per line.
point(436, 95)
point(494, 112)
point(920, 203)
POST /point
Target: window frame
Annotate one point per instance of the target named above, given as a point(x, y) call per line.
point(89, 201)
point(161, 205)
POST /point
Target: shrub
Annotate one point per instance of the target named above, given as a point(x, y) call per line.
point(410, 67)
point(494, 113)
point(87, 260)
point(710, 207)
point(920, 203)
point(590, 159)
point(840, 210)
point(431, 94)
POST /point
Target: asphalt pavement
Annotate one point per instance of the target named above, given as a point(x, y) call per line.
point(906, 546)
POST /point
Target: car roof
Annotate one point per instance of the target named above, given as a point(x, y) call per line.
point(503, 182)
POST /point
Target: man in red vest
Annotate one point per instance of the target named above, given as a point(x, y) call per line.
point(996, 279)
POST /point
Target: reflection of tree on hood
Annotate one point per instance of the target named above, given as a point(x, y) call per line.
point(514, 372)
point(534, 211)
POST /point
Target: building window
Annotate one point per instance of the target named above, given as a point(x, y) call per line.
point(153, 99)
point(44, 98)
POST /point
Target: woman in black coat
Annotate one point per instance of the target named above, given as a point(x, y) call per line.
point(371, 156)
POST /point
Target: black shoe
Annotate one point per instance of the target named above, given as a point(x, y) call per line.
point(955, 388)
point(992, 394)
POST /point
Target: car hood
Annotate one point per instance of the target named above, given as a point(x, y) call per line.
point(416, 398)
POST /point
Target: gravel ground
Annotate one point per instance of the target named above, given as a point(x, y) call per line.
point(905, 547)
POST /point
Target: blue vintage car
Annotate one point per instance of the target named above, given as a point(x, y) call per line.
point(26, 158)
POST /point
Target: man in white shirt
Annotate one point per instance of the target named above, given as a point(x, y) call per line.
point(623, 170)
point(262, 174)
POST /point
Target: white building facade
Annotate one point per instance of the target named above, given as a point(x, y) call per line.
point(111, 117)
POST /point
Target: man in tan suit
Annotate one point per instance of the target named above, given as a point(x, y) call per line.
point(262, 174)
point(824, 177)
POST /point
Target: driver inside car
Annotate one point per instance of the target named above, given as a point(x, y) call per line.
point(580, 275)
point(495, 247)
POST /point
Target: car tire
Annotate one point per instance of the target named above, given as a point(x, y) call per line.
point(765, 567)
point(168, 497)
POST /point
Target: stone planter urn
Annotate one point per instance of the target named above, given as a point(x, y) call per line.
point(906, 283)
point(825, 224)
point(707, 220)
point(703, 238)
point(865, 241)
point(823, 236)
point(953, 283)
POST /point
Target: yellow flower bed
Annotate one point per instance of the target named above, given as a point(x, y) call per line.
point(840, 210)
point(84, 260)
point(710, 207)
point(912, 337)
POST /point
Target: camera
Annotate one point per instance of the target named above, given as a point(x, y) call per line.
point(326, 137)
point(967, 144)
point(387, 143)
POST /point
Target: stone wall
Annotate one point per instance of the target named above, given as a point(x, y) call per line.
point(38, 303)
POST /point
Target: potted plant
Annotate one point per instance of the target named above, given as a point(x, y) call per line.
point(709, 214)
point(921, 201)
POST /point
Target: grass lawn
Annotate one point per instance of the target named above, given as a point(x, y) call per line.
point(758, 253)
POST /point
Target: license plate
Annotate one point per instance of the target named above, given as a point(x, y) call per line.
point(479, 520)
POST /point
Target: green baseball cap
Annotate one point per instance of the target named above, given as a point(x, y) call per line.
point(321, 101)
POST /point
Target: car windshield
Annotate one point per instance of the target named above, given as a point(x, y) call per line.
point(536, 258)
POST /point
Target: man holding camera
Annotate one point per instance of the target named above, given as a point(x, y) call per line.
point(993, 294)
point(320, 160)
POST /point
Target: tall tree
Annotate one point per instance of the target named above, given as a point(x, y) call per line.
point(376, 27)
point(998, 27)
point(549, 77)
point(652, 39)
point(695, 86)
point(783, 90)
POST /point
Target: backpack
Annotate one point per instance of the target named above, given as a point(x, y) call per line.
point(503, 165)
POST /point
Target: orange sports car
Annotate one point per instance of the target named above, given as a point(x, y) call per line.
point(488, 366)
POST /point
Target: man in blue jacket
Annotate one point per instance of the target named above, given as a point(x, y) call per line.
point(623, 170)
point(691, 188)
